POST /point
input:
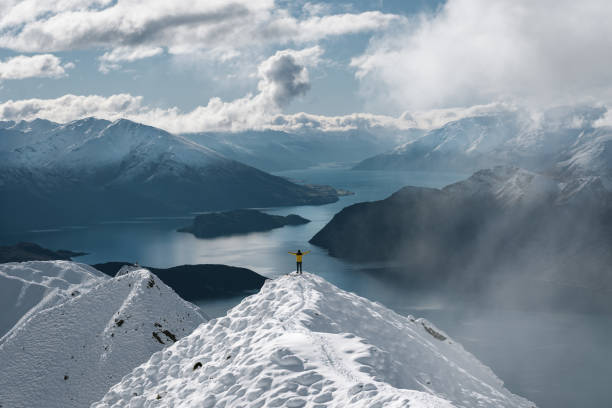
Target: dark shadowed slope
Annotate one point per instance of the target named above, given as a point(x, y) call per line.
point(28, 251)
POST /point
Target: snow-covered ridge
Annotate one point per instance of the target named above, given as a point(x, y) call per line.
point(70, 354)
point(509, 185)
point(93, 142)
point(303, 342)
point(559, 137)
point(28, 287)
point(512, 186)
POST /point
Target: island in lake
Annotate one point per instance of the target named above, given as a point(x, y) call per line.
point(239, 222)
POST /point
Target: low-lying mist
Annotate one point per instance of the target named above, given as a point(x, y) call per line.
point(517, 250)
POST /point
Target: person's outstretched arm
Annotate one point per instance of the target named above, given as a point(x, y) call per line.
point(292, 253)
point(305, 252)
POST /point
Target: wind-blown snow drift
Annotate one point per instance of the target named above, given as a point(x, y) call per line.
point(70, 354)
point(303, 342)
point(28, 287)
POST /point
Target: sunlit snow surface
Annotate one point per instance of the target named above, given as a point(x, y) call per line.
point(28, 287)
point(70, 352)
point(303, 342)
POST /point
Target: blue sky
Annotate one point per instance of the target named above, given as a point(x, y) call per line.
point(234, 65)
point(165, 80)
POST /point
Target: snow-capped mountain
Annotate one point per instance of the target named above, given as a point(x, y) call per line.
point(511, 187)
point(29, 287)
point(302, 342)
point(70, 353)
point(93, 169)
point(459, 145)
point(591, 155)
point(512, 137)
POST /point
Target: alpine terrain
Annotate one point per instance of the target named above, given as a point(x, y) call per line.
point(302, 342)
point(95, 170)
point(71, 350)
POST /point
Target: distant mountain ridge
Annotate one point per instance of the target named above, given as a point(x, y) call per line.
point(562, 140)
point(276, 151)
point(93, 169)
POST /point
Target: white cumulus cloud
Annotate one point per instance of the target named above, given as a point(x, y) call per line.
point(282, 77)
point(110, 60)
point(35, 66)
point(130, 29)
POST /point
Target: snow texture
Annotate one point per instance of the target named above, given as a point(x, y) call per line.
point(28, 287)
point(70, 354)
point(302, 342)
point(512, 186)
point(88, 143)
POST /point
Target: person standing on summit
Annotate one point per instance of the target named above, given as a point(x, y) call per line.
point(298, 259)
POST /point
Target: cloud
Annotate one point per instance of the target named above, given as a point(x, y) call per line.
point(70, 107)
point(256, 113)
point(285, 74)
point(478, 51)
point(110, 60)
point(283, 77)
point(35, 66)
point(127, 28)
point(248, 113)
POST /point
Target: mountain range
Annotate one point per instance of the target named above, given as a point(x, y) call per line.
point(272, 150)
point(561, 141)
point(91, 170)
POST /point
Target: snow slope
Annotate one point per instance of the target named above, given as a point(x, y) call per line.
point(590, 155)
point(512, 186)
point(28, 287)
point(70, 354)
point(303, 342)
point(509, 185)
point(517, 137)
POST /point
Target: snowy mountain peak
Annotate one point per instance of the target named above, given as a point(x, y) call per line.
point(70, 354)
point(303, 342)
point(509, 185)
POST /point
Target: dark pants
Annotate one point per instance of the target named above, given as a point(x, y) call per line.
point(299, 267)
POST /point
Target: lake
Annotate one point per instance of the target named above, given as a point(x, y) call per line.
point(555, 358)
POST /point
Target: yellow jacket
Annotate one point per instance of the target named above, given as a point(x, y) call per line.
point(298, 257)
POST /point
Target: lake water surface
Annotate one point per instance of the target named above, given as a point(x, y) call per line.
point(554, 358)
